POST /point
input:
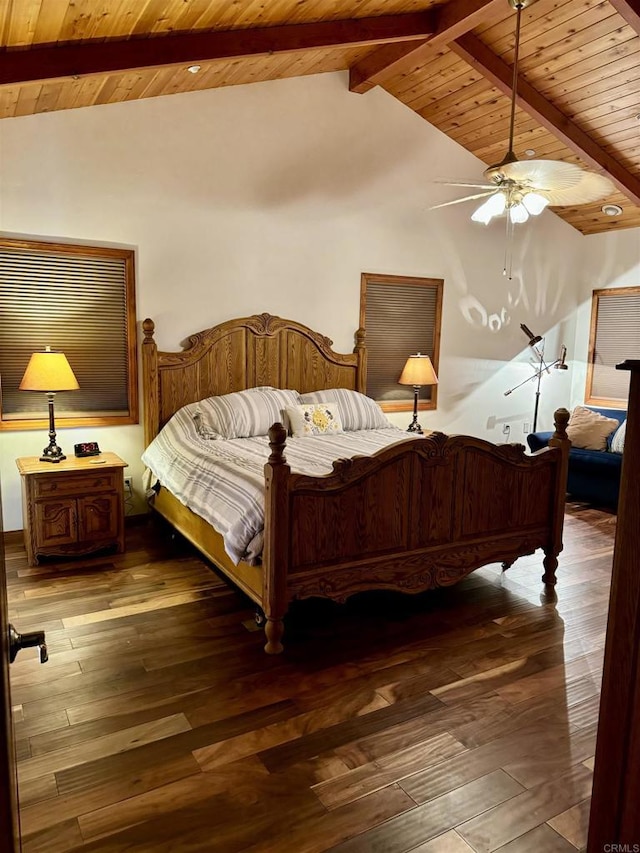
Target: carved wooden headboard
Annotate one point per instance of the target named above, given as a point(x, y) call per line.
point(239, 354)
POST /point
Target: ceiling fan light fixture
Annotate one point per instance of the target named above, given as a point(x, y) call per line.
point(518, 213)
point(534, 203)
point(526, 188)
point(493, 206)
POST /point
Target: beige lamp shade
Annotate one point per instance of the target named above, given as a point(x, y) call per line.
point(418, 371)
point(48, 371)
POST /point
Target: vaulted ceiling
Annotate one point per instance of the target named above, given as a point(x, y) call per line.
point(578, 91)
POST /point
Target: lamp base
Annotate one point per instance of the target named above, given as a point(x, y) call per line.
point(414, 426)
point(52, 453)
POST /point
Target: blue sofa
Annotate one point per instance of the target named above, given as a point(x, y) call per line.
point(594, 475)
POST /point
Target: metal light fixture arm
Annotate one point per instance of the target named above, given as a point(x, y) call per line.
point(542, 367)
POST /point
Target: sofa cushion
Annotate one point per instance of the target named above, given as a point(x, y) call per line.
point(599, 464)
point(590, 430)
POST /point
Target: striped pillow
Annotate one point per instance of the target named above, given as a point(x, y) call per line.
point(242, 414)
point(356, 411)
point(617, 442)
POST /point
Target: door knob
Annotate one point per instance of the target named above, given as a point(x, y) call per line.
point(27, 641)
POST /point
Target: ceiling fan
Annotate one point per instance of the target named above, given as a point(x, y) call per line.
point(521, 189)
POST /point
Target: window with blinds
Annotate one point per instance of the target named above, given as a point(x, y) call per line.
point(79, 300)
point(615, 336)
point(401, 316)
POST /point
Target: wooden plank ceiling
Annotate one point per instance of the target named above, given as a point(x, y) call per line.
point(578, 95)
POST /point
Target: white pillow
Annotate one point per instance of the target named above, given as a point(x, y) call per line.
point(314, 419)
point(355, 410)
point(589, 430)
point(617, 442)
point(242, 414)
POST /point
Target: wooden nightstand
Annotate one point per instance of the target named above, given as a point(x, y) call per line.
point(72, 507)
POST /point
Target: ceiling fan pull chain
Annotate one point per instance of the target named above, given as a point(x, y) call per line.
point(508, 249)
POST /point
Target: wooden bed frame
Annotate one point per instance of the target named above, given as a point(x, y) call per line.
point(419, 514)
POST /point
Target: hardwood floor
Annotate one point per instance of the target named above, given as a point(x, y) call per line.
point(456, 721)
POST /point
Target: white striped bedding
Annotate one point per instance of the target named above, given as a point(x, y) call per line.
point(223, 481)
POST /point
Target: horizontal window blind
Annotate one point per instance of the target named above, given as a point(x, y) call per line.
point(617, 337)
point(75, 303)
point(399, 320)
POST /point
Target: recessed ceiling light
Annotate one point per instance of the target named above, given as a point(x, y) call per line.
point(611, 209)
point(529, 152)
point(193, 69)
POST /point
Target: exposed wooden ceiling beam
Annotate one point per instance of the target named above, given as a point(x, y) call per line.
point(74, 60)
point(532, 102)
point(383, 64)
point(452, 20)
point(630, 11)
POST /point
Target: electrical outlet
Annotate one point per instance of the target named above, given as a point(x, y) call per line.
point(526, 427)
point(129, 496)
point(506, 430)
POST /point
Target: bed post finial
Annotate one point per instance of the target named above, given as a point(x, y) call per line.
point(148, 327)
point(560, 421)
point(277, 439)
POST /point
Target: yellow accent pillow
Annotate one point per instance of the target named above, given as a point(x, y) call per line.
point(314, 419)
point(589, 430)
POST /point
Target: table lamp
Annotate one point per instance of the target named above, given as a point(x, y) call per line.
point(49, 372)
point(418, 371)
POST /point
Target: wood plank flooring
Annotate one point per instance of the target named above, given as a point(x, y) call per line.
point(458, 721)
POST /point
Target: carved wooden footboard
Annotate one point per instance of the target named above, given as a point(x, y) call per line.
point(417, 515)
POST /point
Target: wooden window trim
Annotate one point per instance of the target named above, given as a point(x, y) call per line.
point(589, 399)
point(414, 281)
point(133, 417)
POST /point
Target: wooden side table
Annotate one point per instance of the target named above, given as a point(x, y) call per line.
point(72, 507)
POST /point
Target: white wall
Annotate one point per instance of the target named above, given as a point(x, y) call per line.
point(275, 197)
point(610, 260)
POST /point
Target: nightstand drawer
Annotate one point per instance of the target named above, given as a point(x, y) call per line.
point(74, 484)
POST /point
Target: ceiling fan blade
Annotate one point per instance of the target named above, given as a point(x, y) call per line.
point(466, 198)
point(484, 186)
point(539, 174)
point(592, 187)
